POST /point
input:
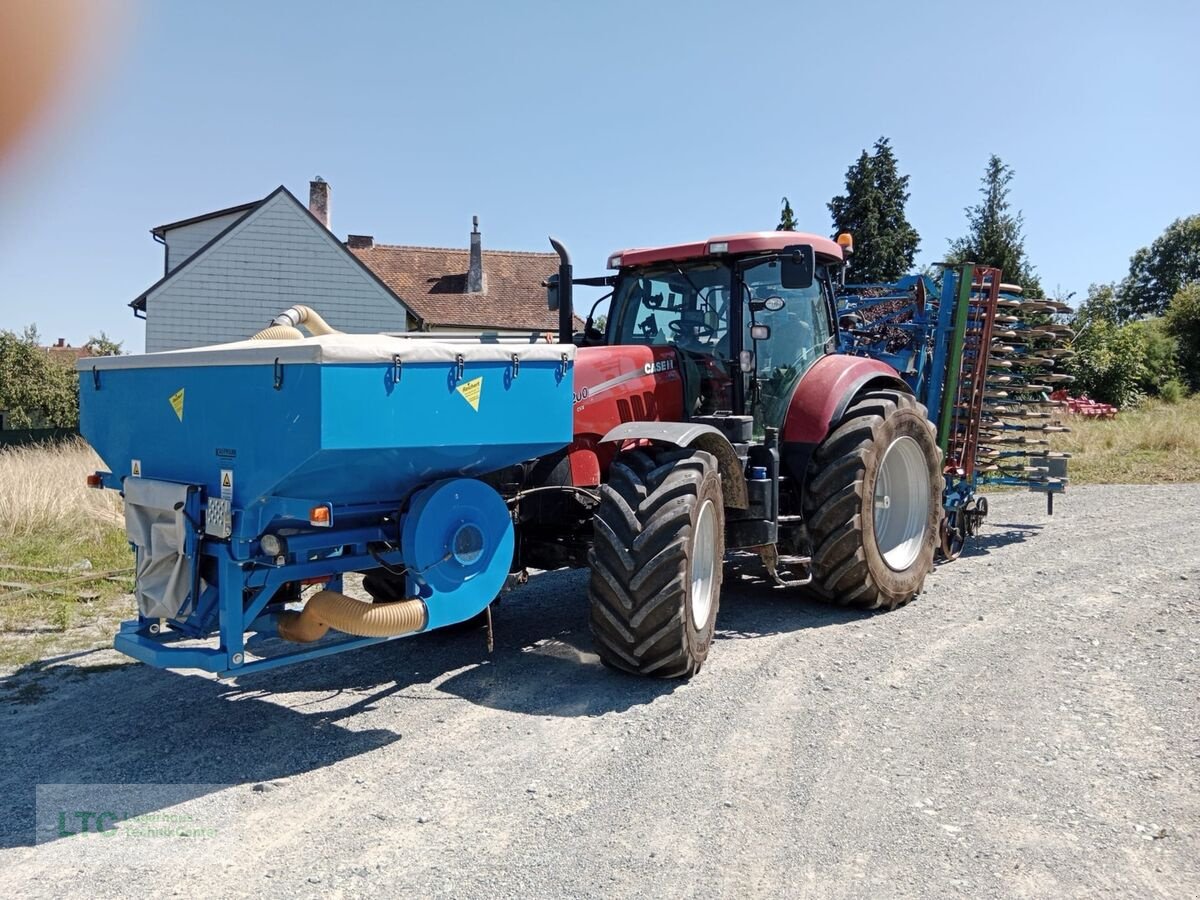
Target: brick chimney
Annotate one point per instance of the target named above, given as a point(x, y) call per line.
point(318, 199)
point(475, 267)
point(360, 241)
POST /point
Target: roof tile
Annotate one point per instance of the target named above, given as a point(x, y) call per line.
point(431, 281)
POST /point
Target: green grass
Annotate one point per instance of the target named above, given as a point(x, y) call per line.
point(76, 616)
point(1154, 443)
point(49, 519)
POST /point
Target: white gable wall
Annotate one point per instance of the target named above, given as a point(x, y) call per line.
point(185, 240)
point(277, 257)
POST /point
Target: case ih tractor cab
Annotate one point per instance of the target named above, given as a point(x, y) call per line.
point(716, 412)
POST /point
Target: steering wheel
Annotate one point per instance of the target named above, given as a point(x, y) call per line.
point(699, 330)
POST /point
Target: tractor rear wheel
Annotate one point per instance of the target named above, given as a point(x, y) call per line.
point(873, 504)
point(657, 562)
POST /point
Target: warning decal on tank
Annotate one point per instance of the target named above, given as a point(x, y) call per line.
point(177, 403)
point(227, 484)
point(470, 391)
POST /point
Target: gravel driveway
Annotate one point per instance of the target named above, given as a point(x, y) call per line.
point(1028, 727)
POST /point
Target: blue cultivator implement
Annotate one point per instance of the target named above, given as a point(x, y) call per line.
point(981, 359)
point(251, 469)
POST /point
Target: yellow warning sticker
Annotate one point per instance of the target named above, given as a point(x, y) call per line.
point(471, 390)
point(177, 403)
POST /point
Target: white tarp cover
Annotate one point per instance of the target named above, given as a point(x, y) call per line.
point(335, 349)
point(164, 575)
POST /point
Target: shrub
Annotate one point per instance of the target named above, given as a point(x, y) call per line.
point(37, 390)
point(1110, 362)
point(1161, 356)
point(1173, 391)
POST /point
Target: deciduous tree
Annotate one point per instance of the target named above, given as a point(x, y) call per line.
point(37, 389)
point(1158, 272)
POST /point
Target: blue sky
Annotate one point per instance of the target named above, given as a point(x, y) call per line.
point(605, 124)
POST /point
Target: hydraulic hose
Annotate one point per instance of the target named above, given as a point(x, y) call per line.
point(284, 326)
point(329, 609)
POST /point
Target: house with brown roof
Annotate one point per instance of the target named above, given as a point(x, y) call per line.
point(227, 273)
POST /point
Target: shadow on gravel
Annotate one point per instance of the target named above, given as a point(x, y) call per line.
point(129, 723)
point(996, 535)
point(752, 606)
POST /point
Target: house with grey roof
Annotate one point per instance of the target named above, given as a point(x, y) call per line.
point(227, 273)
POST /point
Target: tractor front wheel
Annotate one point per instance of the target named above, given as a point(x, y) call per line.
point(873, 503)
point(656, 562)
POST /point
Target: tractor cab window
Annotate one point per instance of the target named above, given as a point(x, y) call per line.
point(687, 307)
point(799, 331)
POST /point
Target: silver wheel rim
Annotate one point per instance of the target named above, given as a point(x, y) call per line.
point(901, 503)
point(704, 561)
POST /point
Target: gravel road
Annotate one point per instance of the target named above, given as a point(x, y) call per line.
point(1027, 727)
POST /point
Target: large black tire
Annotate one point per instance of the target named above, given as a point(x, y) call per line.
point(852, 564)
point(660, 512)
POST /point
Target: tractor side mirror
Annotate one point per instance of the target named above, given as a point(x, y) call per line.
point(551, 285)
point(797, 265)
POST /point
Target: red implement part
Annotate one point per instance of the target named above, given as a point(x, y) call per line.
point(967, 407)
point(1084, 405)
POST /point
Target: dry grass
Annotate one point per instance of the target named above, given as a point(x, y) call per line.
point(53, 527)
point(1154, 443)
point(42, 489)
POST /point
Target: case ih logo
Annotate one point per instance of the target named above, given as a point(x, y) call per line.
point(662, 365)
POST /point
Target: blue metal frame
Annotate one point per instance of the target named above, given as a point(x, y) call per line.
point(923, 361)
point(241, 582)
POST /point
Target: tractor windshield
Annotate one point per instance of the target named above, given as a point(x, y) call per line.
point(686, 306)
point(800, 327)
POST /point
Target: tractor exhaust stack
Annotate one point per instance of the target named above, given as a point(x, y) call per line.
point(566, 306)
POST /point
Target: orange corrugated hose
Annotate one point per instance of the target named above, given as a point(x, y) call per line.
point(329, 609)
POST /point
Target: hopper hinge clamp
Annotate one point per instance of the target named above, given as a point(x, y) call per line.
point(278, 374)
point(95, 378)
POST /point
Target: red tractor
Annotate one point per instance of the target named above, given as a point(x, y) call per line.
point(714, 412)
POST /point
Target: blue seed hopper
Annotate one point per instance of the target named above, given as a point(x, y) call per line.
point(249, 469)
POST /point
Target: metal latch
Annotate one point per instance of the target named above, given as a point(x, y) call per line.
point(516, 361)
point(397, 365)
point(460, 365)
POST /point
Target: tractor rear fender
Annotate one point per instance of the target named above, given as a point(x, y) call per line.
point(689, 434)
point(822, 398)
